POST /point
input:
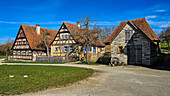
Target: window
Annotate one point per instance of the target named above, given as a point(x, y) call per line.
point(101, 49)
point(127, 35)
point(120, 50)
point(84, 49)
point(27, 53)
point(56, 49)
point(71, 49)
point(40, 54)
point(21, 52)
point(15, 52)
point(65, 36)
point(65, 49)
point(90, 49)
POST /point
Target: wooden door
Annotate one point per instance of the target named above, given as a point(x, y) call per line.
point(134, 54)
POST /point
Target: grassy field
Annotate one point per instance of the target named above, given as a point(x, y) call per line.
point(165, 46)
point(10, 61)
point(91, 63)
point(39, 77)
point(1, 57)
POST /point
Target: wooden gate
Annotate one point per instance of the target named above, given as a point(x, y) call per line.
point(134, 54)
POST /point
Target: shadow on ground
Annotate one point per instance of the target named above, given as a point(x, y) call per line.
point(163, 63)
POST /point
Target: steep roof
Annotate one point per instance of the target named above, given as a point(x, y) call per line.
point(34, 39)
point(141, 23)
point(74, 29)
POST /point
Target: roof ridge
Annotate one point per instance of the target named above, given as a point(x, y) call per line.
point(135, 19)
point(70, 23)
point(40, 27)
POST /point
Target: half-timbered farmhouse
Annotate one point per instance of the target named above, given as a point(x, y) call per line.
point(28, 43)
point(133, 42)
point(63, 43)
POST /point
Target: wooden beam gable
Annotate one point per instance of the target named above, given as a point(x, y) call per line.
point(21, 41)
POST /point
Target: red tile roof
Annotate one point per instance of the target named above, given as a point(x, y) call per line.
point(34, 38)
point(74, 29)
point(142, 24)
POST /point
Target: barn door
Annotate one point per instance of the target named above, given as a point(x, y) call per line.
point(138, 49)
point(134, 54)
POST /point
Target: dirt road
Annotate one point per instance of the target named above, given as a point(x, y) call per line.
point(115, 81)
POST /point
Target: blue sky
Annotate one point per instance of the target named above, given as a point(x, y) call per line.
point(51, 13)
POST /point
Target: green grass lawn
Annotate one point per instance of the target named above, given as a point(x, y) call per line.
point(10, 61)
point(1, 57)
point(165, 46)
point(91, 63)
point(39, 77)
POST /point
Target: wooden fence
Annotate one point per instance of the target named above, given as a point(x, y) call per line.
point(57, 59)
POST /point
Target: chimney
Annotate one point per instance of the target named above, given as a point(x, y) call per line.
point(38, 28)
point(78, 24)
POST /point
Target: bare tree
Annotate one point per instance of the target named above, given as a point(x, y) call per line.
point(85, 35)
point(105, 32)
point(165, 35)
point(6, 48)
point(43, 42)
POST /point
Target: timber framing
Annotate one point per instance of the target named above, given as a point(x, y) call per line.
point(26, 44)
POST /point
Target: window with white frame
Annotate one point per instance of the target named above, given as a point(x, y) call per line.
point(128, 35)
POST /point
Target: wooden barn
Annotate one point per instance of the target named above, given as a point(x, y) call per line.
point(28, 42)
point(133, 42)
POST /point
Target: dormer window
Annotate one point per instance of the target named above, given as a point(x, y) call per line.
point(128, 35)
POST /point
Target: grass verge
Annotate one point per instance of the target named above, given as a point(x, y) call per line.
point(91, 63)
point(39, 77)
point(11, 61)
point(2, 57)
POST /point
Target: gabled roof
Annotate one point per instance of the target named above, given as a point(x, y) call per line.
point(141, 23)
point(34, 39)
point(74, 29)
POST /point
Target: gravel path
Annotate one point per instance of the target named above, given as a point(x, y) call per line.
point(114, 81)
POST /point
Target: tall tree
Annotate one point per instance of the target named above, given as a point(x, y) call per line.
point(6, 48)
point(165, 35)
point(86, 35)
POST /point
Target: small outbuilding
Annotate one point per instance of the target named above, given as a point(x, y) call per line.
point(133, 42)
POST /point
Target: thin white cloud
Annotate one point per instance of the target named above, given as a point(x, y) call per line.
point(33, 23)
point(151, 16)
point(12, 22)
point(107, 23)
point(160, 10)
point(161, 24)
point(60, 22)
point(5, 39)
